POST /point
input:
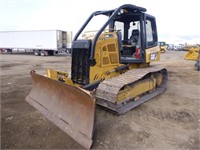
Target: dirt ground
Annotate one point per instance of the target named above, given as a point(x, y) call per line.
point(169, 121)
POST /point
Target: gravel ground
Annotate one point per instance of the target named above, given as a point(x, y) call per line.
point(169, 121)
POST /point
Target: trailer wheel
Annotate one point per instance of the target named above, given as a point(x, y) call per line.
point(68, 51)
point(44, 53)
point(51, 53)
point(36, 52)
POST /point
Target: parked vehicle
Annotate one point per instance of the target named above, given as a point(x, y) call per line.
point(170, 47)
point(111, 65)
point(40, 42)
point(163, 46)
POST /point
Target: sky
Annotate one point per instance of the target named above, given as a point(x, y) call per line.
point(177, 20)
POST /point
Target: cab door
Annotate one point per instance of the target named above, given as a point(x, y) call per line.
point(152, 50)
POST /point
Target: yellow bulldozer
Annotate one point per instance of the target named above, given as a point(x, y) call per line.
point(163, 47)
point(110, 67)
point(193, 53)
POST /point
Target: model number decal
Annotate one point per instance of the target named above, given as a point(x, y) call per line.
point(153, 56)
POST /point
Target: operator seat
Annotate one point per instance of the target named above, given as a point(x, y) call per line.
point(134, 39)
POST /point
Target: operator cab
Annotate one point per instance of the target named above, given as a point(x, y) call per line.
point(136, 33)
point(135, 29)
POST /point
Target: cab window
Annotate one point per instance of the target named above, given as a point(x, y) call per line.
point(119, 26)
point(151, 33)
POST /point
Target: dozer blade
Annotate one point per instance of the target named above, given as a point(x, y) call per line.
point(68, 107)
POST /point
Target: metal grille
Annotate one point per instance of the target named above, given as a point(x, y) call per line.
point(80, 64)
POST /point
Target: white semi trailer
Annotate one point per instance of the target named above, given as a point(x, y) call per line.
point(40, 42)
